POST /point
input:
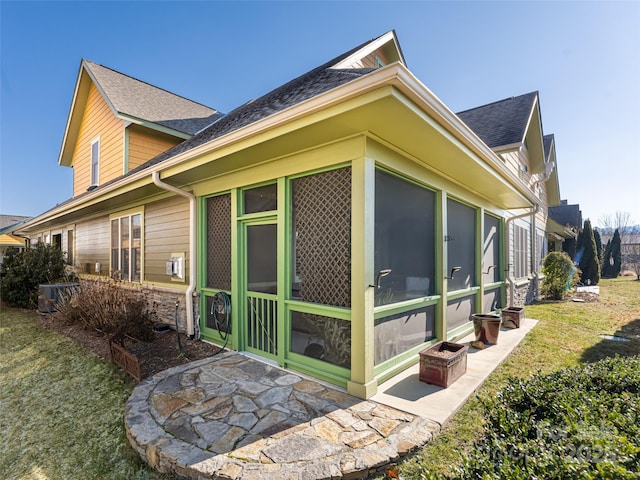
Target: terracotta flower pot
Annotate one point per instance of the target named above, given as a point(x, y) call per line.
point(512, 316)
point(443, 363)
point(487, 327)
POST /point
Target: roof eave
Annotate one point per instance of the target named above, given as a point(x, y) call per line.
point(396, 75)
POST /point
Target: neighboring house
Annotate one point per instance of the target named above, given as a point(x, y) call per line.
point(299, 204)
point(563, 226)
point(9, 223)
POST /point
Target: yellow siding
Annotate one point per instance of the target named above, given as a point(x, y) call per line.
point(97, 120)
point(515, 161)
point(92, 244)
point(166, 230)
point(144, 144)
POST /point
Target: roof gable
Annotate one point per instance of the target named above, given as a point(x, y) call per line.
point(135, 101)
point(552, 183)
point(321, 79)
point(508, 123)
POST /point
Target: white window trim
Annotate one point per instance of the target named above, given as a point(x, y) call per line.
point(118, 216)
point(95, 181)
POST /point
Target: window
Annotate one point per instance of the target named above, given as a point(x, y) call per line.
point(70, 247)
point(321, 238)
point(461, 245)
point(404, 239)
point(261, 199)
point(491, 264)
point(126, 233)
point(95, 161)
point(520, 251)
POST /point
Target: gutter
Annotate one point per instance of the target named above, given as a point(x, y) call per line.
point(155, 176)
point(534, 210)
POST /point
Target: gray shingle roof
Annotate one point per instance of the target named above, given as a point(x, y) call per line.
point(566, 215)
point(503, 122)
point(141, 100)
point(548, 141)
point(319, 80)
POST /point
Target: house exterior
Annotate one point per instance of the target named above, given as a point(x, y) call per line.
point(342, 221)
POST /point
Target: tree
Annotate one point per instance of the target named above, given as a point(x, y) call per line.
point(619, 220)
point(616, 254)
point(560, 275)
point(588, 262)
point(24, 271)
point(598, 240)
point(606, 261)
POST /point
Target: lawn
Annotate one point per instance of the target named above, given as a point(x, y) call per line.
point(568, 333)
point(61, 409)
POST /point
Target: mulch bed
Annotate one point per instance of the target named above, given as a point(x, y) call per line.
point(157, 355)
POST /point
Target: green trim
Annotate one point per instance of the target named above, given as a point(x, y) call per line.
point(406, 306)
point(318, 309)
point(282, 320)
point(460, 332)
point(154, 126)
point(399, 363)
point(479, 250)
point(125, 162)
point(442, 284)
point(467, 292)
point(318, 369)
point(237, 340)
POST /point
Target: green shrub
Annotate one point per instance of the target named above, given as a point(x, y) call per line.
point(560, 275)
point(110, 308)
point(22, 272)
point(582, 422)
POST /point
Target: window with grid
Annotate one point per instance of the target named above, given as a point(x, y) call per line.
point(126, 236)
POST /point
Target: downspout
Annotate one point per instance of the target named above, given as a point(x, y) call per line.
point(534, 210)
point(155, 176)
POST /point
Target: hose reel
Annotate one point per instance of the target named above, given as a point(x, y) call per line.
point(221, 314)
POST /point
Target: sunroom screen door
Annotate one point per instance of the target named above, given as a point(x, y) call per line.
point(261, 286)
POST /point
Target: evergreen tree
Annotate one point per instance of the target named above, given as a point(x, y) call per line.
point(606, 261)
point(569, 247)
point(616, 254)
point(596, 237)
point(589, 263)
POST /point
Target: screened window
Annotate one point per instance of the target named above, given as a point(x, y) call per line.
point(321, 238)
point(219, 242)
point(460, 241)
point(520, 251)
point(404, 239)
point(324, 338)
point(398, 333)
point(261, 199)
point(491, 264)
point(126, 236)
point(95, 161)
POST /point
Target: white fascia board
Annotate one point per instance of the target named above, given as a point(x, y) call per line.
point(369, 48)
point(67, 127)
point(393, 75)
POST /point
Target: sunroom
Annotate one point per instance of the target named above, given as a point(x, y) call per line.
point(358, 234)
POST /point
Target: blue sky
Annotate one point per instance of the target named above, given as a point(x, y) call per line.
point(583, 58)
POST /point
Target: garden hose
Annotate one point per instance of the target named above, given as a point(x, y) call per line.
point(221, 305)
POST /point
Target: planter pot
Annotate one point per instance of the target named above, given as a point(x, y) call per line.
point(443, 363)
point(487, 327)
point(512, 316)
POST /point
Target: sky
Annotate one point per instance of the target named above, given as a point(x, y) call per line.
point(582, 57)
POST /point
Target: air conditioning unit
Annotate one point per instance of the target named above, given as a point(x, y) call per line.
point(49, 295)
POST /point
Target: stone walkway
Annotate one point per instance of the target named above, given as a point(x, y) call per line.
point(232, 417)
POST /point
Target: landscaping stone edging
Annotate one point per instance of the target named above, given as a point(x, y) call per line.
point(231, 417)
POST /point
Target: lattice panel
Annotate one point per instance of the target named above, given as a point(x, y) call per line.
point(322, 223)
point(219, 242)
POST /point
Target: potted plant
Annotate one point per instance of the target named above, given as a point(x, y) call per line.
point(443, 363)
